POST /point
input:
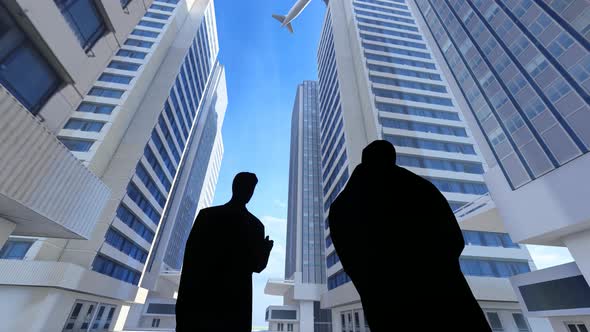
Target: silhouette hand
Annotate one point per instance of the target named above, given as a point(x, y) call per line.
point(268, 243)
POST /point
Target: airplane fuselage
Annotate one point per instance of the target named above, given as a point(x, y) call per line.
point(296, 10)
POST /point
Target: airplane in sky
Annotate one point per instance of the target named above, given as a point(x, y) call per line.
point(293, 13)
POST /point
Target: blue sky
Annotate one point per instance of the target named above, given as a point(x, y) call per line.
point(264, 64)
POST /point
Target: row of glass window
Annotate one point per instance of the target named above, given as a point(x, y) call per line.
point(327, 166)
point(423, 127)
point(489, 239)
point(420, 143)
point(145, 33)
point(400, 61)
point(339, 186)
point(492, 268)
point(115, 78)
point(168, 137)
point(404, 72)
point(116, 270)
point(124, 245)
point(76, 145)
point(418, 111)
point(329, 143)
point(131, 54)
point(151, 185)
point(389, 32)
point(412, 97)
point(151, 158)
point(135, 223)
point(332, 259)
point(338, 279)
point(408, 84)
point(332, 178)
point(439, 164)
point(15, 249)
point(151, 24)
point(395, 50)
point(406, 43)
point(87, 107)
point(387, 24)
point(384, 16)
point(84, 125)
point(387, 4)
point(461, 187)
point(382, 10)
point(143, 203)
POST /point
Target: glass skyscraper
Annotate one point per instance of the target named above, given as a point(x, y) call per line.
point(524, 69)
point(379, 79)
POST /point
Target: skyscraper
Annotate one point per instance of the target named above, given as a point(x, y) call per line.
point(522, 72)
point(146, 126)
point(305, 270)
point(379, 79)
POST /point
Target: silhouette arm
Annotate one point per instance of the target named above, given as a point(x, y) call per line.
point(260, 252)
point(451, 229)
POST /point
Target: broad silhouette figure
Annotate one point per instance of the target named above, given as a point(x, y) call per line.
point(399, 242)
point(224, 248)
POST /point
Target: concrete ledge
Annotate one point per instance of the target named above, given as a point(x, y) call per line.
point(66, 276)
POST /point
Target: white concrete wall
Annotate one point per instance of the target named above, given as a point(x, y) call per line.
point(47, 27)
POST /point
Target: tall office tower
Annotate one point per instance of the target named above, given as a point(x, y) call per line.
point(193, 191)
point(522, 70)
point(51, 52)
point(305, 270)
point(135, 128)
point(379, 80)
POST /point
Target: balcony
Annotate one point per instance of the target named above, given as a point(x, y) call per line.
point(44, 190)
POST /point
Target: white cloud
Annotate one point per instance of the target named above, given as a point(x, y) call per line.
point(281, 204)
point(545, 257)
point(271, 219)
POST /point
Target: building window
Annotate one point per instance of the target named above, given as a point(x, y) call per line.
point(156, 322)
point(576, 327)
point(106, 93)
point(23, 71)
point(492, 268)
point(132, 54)
point(84, 20)
point(521, 322)
point(151, 24)
point(145, 33)
point(84, 125)
point(157, 16)
point(162, 8)
point(115, 78)
point(113, 269)
point(121, 65)
point(15, 249)
point(495, 321)
point(280, 327)
point(138, 43)
point(76, 145)
point(95, 108)
point(290, 327)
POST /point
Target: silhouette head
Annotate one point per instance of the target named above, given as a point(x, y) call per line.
point(379, 153)
point(243, 187)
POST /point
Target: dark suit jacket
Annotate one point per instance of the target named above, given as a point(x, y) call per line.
point(225, 247)
point(399, 242)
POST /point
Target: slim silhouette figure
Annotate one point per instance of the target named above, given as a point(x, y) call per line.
point(399, 242)
point(224, 248)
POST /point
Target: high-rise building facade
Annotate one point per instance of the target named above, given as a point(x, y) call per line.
point(146, 119)
point(379, 79)
point(305, 270)
point(522, 72)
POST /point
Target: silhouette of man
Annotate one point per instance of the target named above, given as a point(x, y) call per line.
point(399, 242)
point(224, 248)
